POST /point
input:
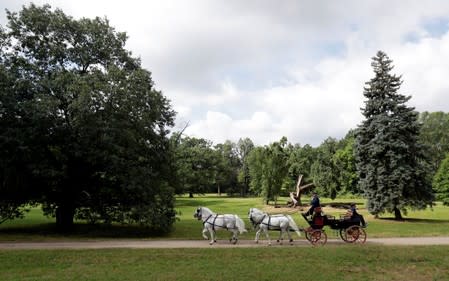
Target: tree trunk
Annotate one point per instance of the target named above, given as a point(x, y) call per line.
point(190, 194)
point(397, 214)
point(299, 200)
point(64, 218)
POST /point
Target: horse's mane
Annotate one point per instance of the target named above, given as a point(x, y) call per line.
point(255, 210)
point(207, 210)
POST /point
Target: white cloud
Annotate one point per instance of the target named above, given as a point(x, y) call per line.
point(267, 69)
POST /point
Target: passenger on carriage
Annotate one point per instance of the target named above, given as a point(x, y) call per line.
point(356, 217)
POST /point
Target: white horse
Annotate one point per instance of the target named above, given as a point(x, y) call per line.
point(263, 222)
point(212, 222)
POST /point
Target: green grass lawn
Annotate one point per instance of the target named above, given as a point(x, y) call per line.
point(36, 227)
point(345, 262)
point(331, 262)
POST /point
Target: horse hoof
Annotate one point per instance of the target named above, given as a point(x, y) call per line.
point(291, 240)
point(277, 240)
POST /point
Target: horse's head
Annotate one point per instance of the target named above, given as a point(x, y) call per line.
point(254, 215)
point(199, 213)
point(250, 213)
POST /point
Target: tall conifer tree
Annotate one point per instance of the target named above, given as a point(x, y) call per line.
point(390, 160)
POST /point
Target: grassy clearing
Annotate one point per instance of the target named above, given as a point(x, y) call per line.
point(347, 262)
point(431, 222)
point(36, 227)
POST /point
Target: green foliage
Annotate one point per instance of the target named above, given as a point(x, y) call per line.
point(441, 181)
point(434, 134)
point(10, 210)
point(228, 168)
point(344, 161)
point(300, 162)
point(324, 170)
point(244, 148)
point(196, 164)
point(390, 161)
point(269, 170)
point(83, 131)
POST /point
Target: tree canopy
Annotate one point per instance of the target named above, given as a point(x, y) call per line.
point(83, 131)
point(390, 160)
point(435, 135)
point(441, 181)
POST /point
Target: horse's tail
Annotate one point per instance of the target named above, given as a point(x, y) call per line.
point(240, 224)
point(293, 225)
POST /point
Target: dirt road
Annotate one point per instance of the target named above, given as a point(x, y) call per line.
point(141, 244)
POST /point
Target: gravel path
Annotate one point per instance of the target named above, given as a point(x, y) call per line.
point(141, 244)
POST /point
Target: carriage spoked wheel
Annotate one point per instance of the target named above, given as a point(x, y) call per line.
point(317, 237)
point(353, 234)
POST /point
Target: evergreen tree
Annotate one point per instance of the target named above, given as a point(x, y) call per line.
point(389, 158)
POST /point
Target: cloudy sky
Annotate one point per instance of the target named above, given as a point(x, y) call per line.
point(267, 69)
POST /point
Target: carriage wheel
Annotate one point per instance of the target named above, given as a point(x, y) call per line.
point(317, 237)
point(307, 235)
point(362, 235)
point(343, 235)
point(354, 234)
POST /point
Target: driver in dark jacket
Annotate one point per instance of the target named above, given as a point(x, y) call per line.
point(315, 202)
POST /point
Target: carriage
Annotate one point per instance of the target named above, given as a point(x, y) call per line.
point(350, 230)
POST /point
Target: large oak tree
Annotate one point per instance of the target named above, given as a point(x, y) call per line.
point(83, 131)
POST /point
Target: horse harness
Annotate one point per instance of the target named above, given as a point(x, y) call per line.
point(214, 224)
point(273, 227)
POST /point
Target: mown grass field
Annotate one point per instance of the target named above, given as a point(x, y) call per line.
point(36, 227)
point(331, 262)
point(345, 262)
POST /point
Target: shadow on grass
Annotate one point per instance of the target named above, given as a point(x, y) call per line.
point(81, 230)
point(435, 221)
point(198, 202)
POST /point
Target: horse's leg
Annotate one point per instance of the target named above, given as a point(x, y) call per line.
point(289, 236)
point(267, 235)
point(234, 237)
point(256, 239)
point(212, 236)
point(204, 233)
point(281, 236)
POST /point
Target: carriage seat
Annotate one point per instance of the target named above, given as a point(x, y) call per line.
point(318, 221)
